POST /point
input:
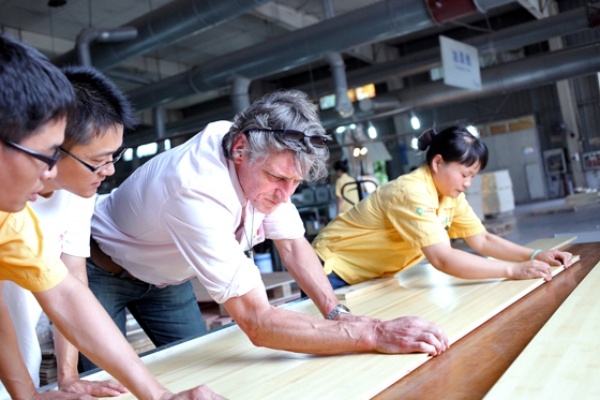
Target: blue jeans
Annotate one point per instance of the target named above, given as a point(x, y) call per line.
point(166, 314)
point(336, 281)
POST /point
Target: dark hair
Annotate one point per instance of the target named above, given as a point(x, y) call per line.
point(454, 144)
point(32, 91)
point(100, 106)
point(281, 109)
point(341, 165)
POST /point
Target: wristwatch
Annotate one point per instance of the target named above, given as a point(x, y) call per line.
point(339, 309)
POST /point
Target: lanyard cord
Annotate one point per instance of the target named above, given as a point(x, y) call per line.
point(249, 253)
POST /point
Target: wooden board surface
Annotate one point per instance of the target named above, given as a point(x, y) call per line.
point(561, 362)
point(469, 369)
point(227, 356)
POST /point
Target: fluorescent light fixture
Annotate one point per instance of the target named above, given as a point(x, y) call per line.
point(128, 155)
point(473, 130)
point(340, 129)
point(414, 121)
point(364, 151)
point(145, 150)
point(372, 131)
point(414, 143)
point(356, 152)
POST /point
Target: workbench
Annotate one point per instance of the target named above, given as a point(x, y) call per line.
point(489, 322)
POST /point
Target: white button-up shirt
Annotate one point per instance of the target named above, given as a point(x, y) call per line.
point(178, 216)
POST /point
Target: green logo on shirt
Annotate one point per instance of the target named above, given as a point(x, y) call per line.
point(420, 210)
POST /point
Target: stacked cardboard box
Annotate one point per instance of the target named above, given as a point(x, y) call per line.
point(498, 197)
point(475, 197)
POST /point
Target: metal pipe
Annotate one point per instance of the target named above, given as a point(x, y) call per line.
point(343, 105)
point(164, 25)
point(506, 39)
point(240, 98)
point(380, 21)
point(521, 74)
point(91, 35)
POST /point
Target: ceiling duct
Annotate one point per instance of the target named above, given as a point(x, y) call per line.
point(503, 40)
point(506, 39)
point(522, 74)
point(163, 26)
point(516, 75)
point(380, 21)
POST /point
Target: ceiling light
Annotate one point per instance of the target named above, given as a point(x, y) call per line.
point(473, 130)
point(414, 121)
point(414, 143)
point(372, 131)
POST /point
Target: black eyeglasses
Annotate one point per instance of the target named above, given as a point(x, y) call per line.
point(296, 136)
point(50, 160)
point(116, 156)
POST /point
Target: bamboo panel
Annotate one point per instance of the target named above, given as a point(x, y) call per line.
point(561, 362)
point(228, 362)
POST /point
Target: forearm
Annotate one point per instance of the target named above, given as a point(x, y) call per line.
point(66, 354)
point(66, 359)
point(494, 246)
point(306, 269)
point(301, 333)
point(464, 265)
point(13, 372)
point(83, 321)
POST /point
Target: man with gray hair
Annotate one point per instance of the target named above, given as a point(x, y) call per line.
point(198, 209)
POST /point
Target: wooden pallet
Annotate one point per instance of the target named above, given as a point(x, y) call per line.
point(500, 224)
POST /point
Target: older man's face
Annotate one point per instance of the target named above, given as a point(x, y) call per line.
point(270, 183)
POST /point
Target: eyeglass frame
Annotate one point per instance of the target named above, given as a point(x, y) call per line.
point(50, 160)
point(94, 169)
point(300, 136)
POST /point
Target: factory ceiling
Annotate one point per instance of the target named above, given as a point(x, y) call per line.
point(184, 62)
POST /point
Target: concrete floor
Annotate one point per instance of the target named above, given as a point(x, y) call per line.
point(554, 218)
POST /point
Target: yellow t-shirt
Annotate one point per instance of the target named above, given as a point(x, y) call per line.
point(385, 232)
point(23, 256)
point(350, 192)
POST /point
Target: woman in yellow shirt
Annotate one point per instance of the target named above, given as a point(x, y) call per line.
point(416, 215)
point(349, 192)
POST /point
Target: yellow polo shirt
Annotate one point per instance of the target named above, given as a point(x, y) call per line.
point(23, 257)
point(385, 232)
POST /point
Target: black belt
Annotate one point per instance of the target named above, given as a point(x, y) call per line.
point(106, 264)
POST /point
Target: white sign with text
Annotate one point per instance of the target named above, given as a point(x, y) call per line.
point(460, 63)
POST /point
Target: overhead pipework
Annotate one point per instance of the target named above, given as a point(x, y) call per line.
point(380, 21)
point(162, 26)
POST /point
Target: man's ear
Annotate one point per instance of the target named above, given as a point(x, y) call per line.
point(238, 149)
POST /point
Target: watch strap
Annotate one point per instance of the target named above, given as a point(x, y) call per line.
point(339, 309)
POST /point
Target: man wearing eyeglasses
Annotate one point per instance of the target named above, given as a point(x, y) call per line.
point(198, 209)
point(36, 100)
point(64, 208)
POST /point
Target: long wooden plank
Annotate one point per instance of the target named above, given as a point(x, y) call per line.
point(469, 369)
point(561, 362)
point(227, 356)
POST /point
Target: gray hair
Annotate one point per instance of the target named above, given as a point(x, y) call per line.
point(282, 109)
